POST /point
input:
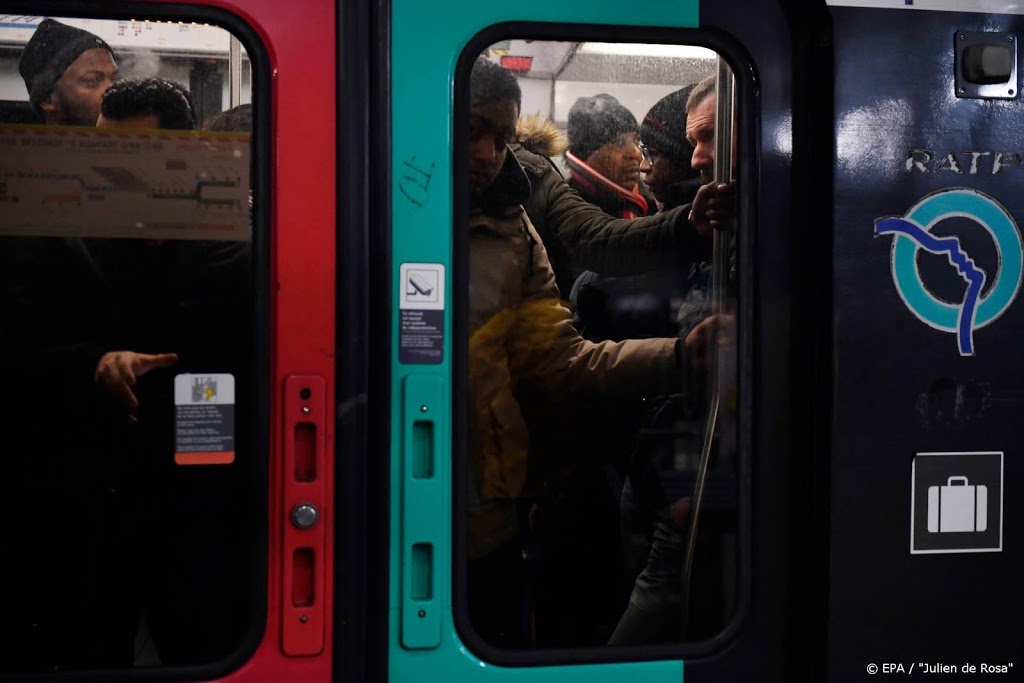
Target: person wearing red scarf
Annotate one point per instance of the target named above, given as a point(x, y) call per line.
point(604, 157)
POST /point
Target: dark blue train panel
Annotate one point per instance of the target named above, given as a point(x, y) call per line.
point(928, 388)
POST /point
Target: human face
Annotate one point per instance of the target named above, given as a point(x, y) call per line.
point(619, 161)
point(139, 121)
point(75, 100)
point(660, 173)
point(700, 131)
point(492, 126)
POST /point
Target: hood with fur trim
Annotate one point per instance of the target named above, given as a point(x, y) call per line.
point(541, 136)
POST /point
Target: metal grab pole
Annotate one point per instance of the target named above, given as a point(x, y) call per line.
point(724, 106)
point(234, 73)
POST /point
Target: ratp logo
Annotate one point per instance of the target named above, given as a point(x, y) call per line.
point(912, 232)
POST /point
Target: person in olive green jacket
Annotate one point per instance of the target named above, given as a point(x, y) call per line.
point(579, 235)
point(521, 338)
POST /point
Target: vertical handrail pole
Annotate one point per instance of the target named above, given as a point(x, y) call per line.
point(234, 73)
point(724, 110)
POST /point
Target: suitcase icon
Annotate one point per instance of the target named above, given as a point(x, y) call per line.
point(955, 508)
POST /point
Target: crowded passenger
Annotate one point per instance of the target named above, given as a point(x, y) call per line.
point(190, 297)
point(147, 103)
point(576, 551)
point(522, 344)
point(66, 71)
point(581, 236)
point(136, 103)
point(235, 120)
point(69, 604)
point(604, 157)
point(581, 550)
point(654, 525)
point(645, 305)
point(675, 180)
point(94, 331)
point(669, 175)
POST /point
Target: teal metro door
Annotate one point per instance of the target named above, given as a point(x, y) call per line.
point(589, 432)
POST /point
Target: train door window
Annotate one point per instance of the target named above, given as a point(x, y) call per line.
point(133, 486)
point(599, 311)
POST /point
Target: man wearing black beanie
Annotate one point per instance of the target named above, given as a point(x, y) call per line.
point(66, 72)
point(663, 136)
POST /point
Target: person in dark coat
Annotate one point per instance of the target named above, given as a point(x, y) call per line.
point(675, 181)
point(93, 328)
point(654, 524)
point(579, 517)
point(66, 570)
point(191, 298)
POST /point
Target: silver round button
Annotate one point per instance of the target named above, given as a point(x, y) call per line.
point(304, 516)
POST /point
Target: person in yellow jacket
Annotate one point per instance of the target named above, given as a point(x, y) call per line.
point(522, 340)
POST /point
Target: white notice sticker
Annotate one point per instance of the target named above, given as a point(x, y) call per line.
point(204, 419)
point(421, 313)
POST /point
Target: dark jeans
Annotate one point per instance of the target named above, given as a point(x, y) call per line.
point(655, 605)
point(655, 609)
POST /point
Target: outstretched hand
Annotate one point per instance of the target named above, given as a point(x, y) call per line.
point(118, 371)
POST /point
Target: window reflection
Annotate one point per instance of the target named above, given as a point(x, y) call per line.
point(596, 329)
point(127, 301)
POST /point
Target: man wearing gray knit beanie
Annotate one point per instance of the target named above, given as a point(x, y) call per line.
point(66, 72)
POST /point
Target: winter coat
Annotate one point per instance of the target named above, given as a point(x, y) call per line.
point(638, 306)
point(522, 339)
point(579, 236)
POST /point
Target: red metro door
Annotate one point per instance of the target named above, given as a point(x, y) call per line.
point(168, 293)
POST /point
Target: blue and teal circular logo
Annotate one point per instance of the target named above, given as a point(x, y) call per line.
point(913, 231)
